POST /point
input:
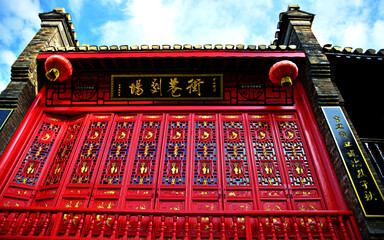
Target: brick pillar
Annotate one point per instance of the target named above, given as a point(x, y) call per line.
point(295, 28)
point(56, 30)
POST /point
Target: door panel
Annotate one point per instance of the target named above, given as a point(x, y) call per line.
point(271, 183)
point(206, 181)
point(78, 185)
point(110, 182)
point(50, 187)
point(187, 161)
point(302, 182)
point(32, 164)
point(172, 192)
point(206, 172)
point(143, 168)
point(238, 180)
point(239, 192)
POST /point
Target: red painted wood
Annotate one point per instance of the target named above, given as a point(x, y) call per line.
point(39, 150)
point(20, 138)
point(146, 174)
point(184, 53)
point(324, 169)
point(303, 227)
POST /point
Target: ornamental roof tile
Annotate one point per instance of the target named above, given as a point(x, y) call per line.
point(350, 52)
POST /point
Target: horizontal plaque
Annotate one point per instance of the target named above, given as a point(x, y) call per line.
point(360, 175)
point(165, 87)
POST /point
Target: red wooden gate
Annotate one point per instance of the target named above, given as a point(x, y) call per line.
point(208, 161)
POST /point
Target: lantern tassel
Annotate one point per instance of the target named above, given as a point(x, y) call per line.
point(286, 81)
point(52, 74)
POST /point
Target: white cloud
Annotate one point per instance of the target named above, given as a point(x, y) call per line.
point(10, 29)
point(3, 85)
point(5, 34)
point(7, 57)
point(355, 35)
point(106, 2)
point(24, 9)
point(193, 22)
point(377, 35)
point(19, 22)
point(349, 23)
point(18, 16)
point(76, 7)
point(380, 8)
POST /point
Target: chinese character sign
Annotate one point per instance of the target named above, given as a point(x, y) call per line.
point(360, 175)
point(167, 87)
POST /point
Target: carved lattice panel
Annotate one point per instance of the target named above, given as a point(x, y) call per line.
point(269, 171)
point(84, 167)
point(113, 169)
point(298, 166)
point(24, 181)
point(206, 171)
point(59, 166)
point(66, 147)
point(235, 153)
point(171, 161)
point(85, 163)
point(143, 172)
point(175, 151)
point(117, 152)
point(206, 168)
point(238, 178)
point(303, 186)
point(174, 163)
point(91, 149)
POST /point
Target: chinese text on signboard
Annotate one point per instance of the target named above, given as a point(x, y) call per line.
point(365, 186)
point(167, 87)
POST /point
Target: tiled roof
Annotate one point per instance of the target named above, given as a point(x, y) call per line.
point(350, 52)
point(86, 47)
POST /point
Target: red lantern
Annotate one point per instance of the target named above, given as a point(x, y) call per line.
point(283, 73)
point(58, 68)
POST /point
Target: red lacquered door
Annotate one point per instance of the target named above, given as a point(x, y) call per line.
point(33, 161)
point(168, 161)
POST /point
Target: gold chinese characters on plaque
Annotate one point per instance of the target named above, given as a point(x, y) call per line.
point(165, 87)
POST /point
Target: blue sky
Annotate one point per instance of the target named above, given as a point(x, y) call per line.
point(345, 23)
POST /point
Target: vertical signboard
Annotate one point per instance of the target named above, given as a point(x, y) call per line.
point(360, 175)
